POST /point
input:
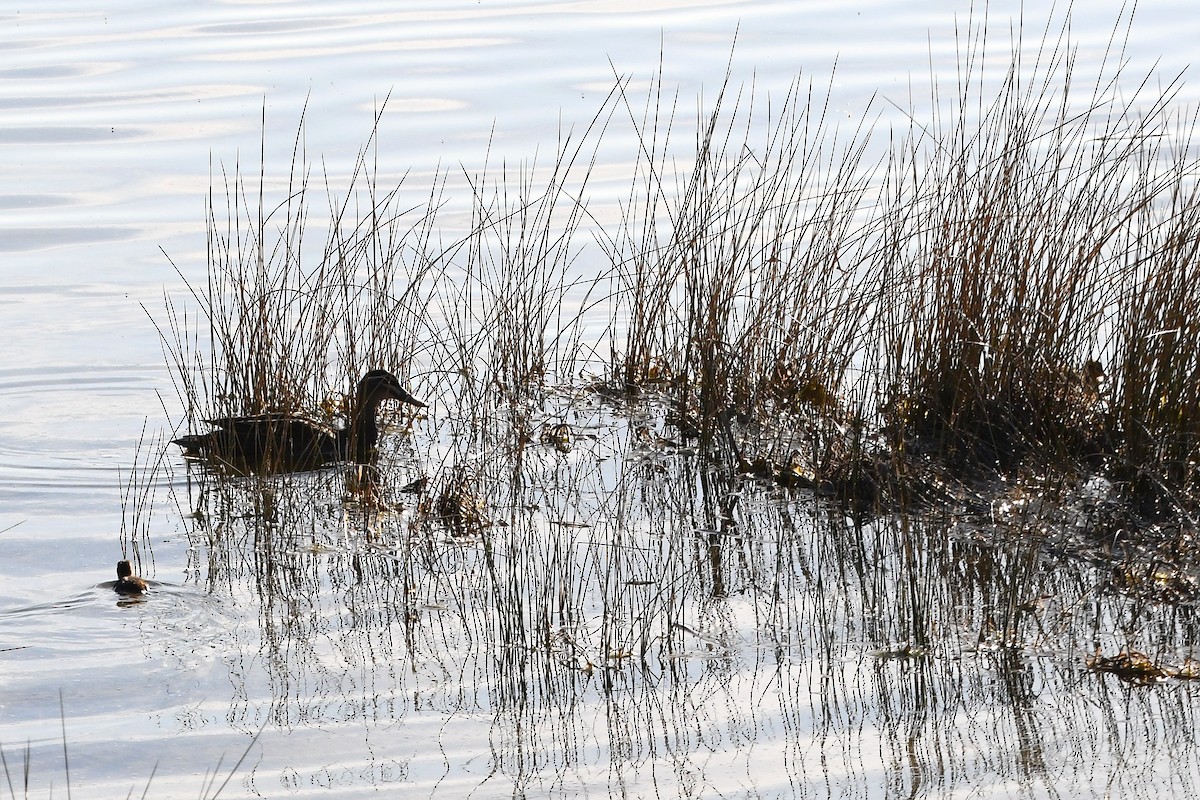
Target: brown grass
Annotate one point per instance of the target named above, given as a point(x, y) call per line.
point(1001, 288)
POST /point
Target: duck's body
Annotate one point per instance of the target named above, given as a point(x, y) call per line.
point(289, 443)
point(266, 443)
point(127, 582)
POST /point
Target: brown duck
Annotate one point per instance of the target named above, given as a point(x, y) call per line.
point(290, 443)
point(127, 582)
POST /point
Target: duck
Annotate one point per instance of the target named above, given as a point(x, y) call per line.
point(127, 582)
point(277, 442)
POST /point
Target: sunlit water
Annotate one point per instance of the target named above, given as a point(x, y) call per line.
point(361, 676)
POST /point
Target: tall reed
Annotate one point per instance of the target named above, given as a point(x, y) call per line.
point(281, 322)
point(1003, 286)
point(737, 277)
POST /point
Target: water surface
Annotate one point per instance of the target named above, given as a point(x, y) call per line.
point(359, 660)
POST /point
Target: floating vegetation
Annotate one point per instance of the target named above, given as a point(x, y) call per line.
point(1138, 668)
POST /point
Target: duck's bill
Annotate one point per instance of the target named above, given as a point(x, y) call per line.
point(405, 397)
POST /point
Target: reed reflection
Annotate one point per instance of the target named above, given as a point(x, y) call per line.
point(624, 603)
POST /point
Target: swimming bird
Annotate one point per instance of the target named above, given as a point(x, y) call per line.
point(127, 582)
point(290, 443)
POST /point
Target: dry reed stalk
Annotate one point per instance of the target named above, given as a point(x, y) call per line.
point(796, 292)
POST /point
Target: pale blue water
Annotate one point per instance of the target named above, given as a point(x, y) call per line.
point(113, 125)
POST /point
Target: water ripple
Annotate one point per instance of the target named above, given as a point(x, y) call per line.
point(71, 430)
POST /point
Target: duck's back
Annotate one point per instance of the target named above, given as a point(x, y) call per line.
point(264, 443)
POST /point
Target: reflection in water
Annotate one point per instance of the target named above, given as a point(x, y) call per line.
point(631, 616)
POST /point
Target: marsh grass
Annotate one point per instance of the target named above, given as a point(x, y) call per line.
point(275, 332)
point(737, 276)
point(966, 319)
point(151, 468)
point(997, 286)
point(1031, 228)
point(1006, 290)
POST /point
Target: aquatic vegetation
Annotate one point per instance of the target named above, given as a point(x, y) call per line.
point(993, 288)
point(918, 398)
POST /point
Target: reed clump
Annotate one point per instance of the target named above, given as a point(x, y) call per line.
point(283, 327)
point(1010, 248)
point(1050, 260)
point(1002, 290)
point(735, 281)
point(999, 286)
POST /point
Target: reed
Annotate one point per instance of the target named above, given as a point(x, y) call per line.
point(1153, 422)
point(283, 325)
point(979, 311)
point(1004, 290)
point(1007, 264)
point(999, 289)
point(737, 277)
point(1045, 248)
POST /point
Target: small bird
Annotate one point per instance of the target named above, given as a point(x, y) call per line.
point(290, 443)
point(127, 582)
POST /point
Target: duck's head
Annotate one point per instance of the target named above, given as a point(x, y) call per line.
point(378, 385)
point(124, 570)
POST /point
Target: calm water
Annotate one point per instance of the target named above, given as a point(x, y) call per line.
point(112, 127)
